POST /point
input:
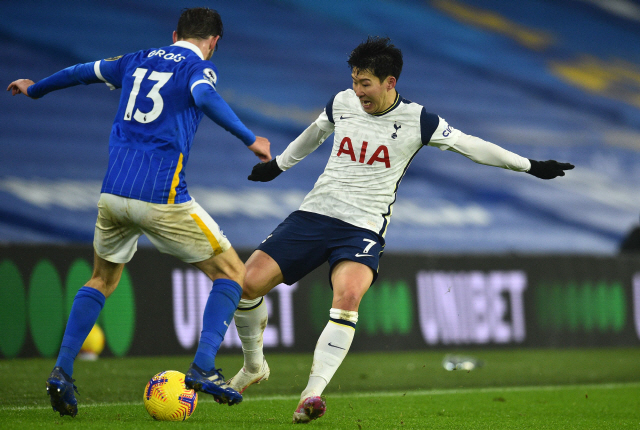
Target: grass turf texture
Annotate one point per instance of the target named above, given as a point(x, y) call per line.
point(525, 389)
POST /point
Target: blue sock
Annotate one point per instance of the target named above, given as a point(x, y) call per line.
point(218, 314)
point(84, 313)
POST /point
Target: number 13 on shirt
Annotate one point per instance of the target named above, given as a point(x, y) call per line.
point(154, 95)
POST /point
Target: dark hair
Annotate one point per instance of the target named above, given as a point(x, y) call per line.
point(199, 23)
point(378, 56)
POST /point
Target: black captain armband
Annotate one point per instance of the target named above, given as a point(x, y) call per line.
point(548, 169)
point(265, 172)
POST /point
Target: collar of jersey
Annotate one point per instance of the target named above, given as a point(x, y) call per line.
point(185, 44)
point(394, 105)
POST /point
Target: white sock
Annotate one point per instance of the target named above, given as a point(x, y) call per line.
point(331, 349)
point(251, 320)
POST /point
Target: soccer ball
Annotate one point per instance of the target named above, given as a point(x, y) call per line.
point(93, 344)
point(166, 398)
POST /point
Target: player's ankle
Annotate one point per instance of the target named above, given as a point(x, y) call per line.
point(253, 366)
point(314, 388)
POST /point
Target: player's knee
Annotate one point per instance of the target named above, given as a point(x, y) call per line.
point(263, 274)
point(249, 295)
point(234, 271)
point(240, 272)
point(252, 287)
point(224, 266)
point(102, 285)
point(348, 300)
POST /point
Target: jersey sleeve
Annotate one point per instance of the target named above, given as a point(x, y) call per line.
point(80, 74)
point(203, 89)
point(111, 70)
point(204, 73)
point(443, 135)
point(490, 154)
point(307, 142)
point(325, 120)
point(446, 137)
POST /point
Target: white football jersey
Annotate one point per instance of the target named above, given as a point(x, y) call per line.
point(370, 155)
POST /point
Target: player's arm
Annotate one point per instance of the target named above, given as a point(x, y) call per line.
point(75, 75)
point(490, 154)
point(487, 153)
point(303, 145)
point(214, 106)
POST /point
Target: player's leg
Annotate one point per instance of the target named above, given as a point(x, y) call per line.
point(115, 242)
point(227, 272)
point(263, 274)
point(293, 249)
point(85, 310)
point(188, 232)
point(350, 282)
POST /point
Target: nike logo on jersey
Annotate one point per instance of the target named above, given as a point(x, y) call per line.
point(333, 346)
point(225, 323)
point(364, 255)
point(345, 117)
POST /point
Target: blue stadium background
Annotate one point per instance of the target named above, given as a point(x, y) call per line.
point(546, 79)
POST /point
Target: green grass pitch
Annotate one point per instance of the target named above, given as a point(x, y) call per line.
point(515, 389)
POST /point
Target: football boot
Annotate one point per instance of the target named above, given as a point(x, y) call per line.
point(212, 383)
point(243, 379)
point(309, 409)
point(60, 389)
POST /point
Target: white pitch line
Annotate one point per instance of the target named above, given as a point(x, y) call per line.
point(603, 386)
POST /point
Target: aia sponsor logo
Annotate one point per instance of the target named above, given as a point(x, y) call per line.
point(380, 154)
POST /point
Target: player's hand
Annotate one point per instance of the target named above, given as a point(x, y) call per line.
point(262, 148)
point(20, 87)
point(548, 169)
point(265, 172)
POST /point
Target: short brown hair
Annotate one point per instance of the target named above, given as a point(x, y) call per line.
point(199, 23)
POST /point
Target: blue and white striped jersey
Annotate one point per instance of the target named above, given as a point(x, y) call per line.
point(165, 92)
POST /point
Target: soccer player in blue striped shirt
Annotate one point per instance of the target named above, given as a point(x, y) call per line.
point(165, 93)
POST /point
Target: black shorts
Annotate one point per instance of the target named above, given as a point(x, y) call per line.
point(305, 240)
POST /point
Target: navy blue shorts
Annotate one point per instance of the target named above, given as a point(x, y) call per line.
point(305, 240)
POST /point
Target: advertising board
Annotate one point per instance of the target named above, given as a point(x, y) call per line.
point(418, 302)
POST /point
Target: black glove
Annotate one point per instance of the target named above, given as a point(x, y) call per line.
point(548, 169)
point(265, 172)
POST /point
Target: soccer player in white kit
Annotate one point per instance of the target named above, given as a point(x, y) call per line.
point(343, 220)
